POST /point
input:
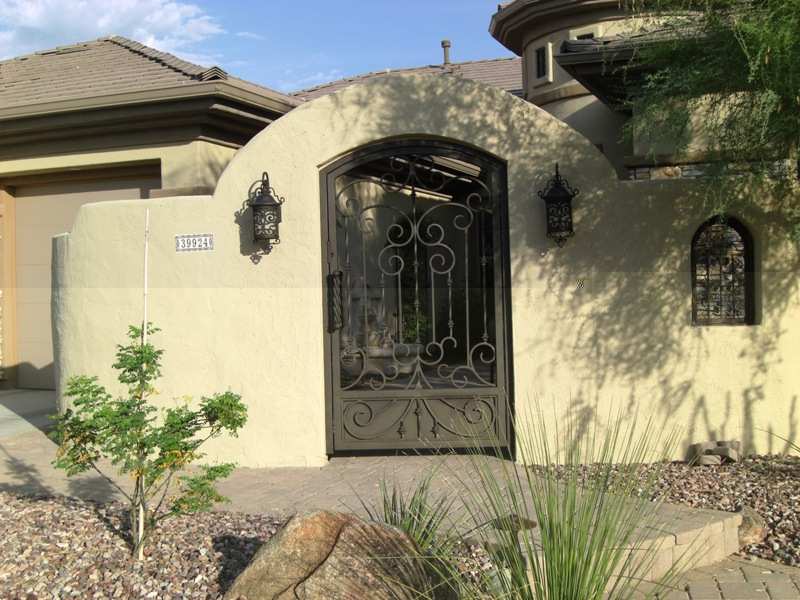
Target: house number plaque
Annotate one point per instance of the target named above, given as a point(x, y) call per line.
point(195, 242)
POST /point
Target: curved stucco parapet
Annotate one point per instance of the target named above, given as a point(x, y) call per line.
point(604, 319)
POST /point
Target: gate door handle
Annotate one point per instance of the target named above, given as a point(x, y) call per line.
point(335, 316)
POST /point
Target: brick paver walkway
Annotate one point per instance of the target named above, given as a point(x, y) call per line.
point(25, 468)
point(740, 579)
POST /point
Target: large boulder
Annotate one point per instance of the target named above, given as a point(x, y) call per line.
point(333, 556)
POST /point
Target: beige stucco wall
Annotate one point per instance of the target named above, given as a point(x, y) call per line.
point(192, 164)
point(604, 321)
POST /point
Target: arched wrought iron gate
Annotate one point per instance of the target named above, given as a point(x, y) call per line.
point(417, 299)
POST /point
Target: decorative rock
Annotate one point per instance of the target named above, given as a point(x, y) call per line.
point(695, 451)
point(333, 556)
point(708, 460)
point(728, 451)
point(512, 522)
point(753, 529)
point(734, 444)
point(726, 454)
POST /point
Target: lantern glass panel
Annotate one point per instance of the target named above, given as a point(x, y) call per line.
point(266, 218)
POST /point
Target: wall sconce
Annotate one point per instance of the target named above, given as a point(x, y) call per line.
point(266, 207)
point(557, 198)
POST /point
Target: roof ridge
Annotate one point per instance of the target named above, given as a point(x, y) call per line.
point(165, 58)
point(363, 75)
point(54, 50)
point(487, 60)
point(452, 68)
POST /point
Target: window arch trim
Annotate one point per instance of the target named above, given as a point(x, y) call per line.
point(749, 273)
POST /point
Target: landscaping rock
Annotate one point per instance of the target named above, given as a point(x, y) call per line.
point(333, 556)
point(695, 451)
point(727, 451)
point(708, 460)
point(753, 529)
point(734, 444)
point(728, 455)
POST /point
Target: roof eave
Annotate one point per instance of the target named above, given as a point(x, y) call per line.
point(601, 72)
point(223, 89)
point(510, 24)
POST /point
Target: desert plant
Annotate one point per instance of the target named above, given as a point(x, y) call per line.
point(590, 494)
point(153, 448)
point(425, 520)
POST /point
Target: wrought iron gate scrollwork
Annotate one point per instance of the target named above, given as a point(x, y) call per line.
point(416, 303)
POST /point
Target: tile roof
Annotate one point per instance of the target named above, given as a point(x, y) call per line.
point(111, 65)
point(505, 73)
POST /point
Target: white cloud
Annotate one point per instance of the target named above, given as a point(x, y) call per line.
point(293, 82)
point(250, 35)
point(171, 26)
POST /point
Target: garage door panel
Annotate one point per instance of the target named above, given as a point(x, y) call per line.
point(43, 211)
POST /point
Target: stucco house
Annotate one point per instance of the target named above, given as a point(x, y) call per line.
point(112, 119)
point(376, 270)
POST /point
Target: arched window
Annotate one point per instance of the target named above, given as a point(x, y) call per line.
point(722, 273)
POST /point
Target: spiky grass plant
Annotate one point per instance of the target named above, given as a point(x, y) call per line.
point(431, 522)
point(593, 498)
point(425, 519)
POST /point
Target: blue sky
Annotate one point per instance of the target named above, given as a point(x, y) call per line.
point(284, 44)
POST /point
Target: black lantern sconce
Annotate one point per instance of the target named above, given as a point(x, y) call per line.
point(557, 198)
point(266, 207)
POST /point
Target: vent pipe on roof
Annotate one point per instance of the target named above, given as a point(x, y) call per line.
point(446, 47)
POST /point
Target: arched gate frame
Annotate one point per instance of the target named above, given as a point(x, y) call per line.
point(416, 267)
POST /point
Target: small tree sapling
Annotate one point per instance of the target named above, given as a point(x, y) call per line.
point(153, 448)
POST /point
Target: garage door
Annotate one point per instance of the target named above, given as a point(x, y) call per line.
point(42, 211)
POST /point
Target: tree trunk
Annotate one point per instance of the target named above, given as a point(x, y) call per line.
point(140, 533)
point(138, 519)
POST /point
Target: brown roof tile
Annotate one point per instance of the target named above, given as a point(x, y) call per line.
point(505, 73)
point(112, 65)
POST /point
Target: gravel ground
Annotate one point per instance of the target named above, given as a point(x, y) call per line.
point(768, 484)
point(61, 547)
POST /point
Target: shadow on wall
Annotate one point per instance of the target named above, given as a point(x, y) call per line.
point(24, 410)
point(203, 171)
point(613, 307)
point(32, 376)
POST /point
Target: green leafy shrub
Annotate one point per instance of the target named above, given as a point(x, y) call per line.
point(155, 449)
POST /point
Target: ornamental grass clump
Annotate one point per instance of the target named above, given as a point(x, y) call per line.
point(592, 497)
point(154, 449)
point(425, 520)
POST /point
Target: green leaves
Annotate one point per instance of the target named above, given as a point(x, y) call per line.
point(718, 83)
point(224, 412)
point(138, 363)
point(148, 445)
point(198, 492)
point(740, 58)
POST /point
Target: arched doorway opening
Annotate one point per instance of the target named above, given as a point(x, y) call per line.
point(416, 265)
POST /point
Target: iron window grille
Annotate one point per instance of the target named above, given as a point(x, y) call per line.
point(722, 273)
